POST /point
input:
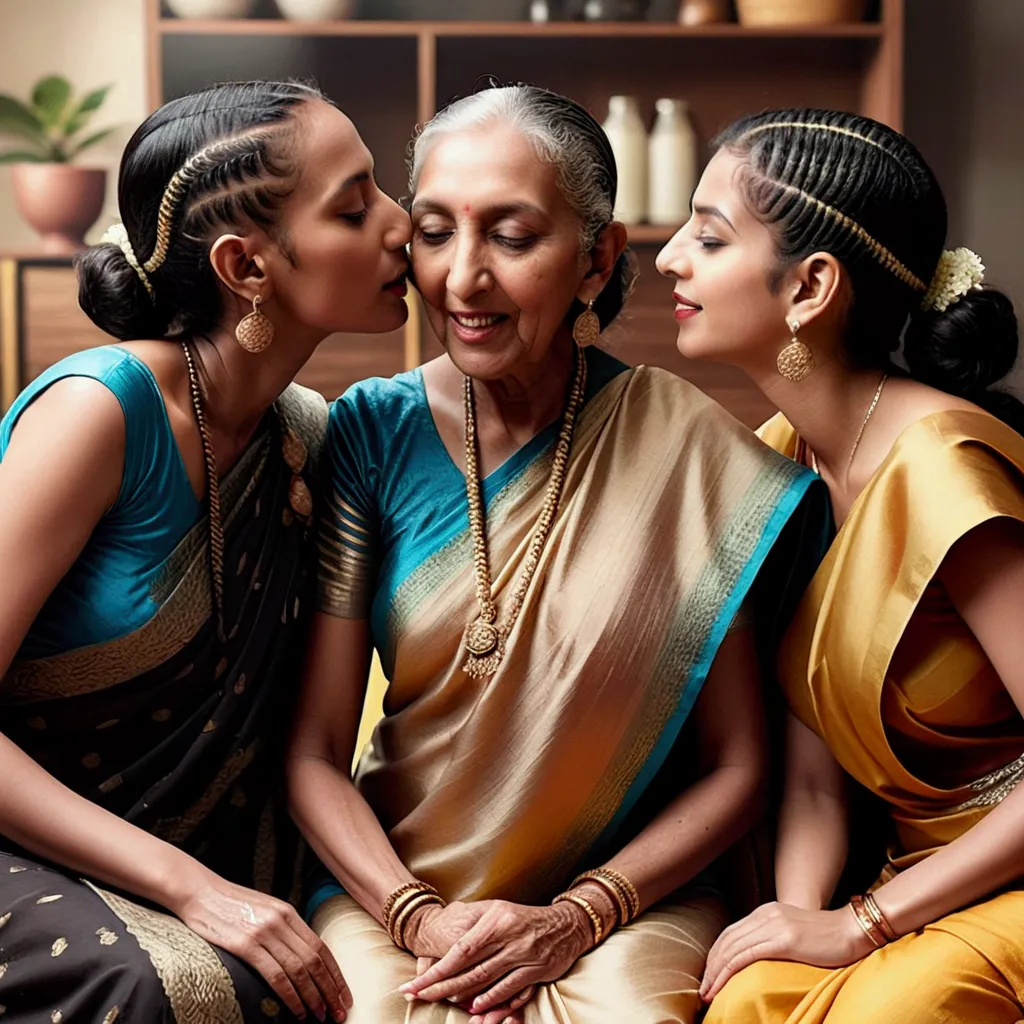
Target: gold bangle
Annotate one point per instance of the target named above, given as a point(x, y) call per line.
point(388, 910)
point(401, 919)
point(867, 925)
point(613, 892)
point(628, 895)
point(588, 908)
point(872, 907)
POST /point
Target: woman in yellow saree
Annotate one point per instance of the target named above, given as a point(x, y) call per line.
point(904, 665)
point(622, 519)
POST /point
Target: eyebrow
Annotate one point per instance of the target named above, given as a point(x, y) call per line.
point(354, 179)
point(492, 212)
point(713, 211)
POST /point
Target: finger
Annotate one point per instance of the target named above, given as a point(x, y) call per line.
point(424, 963)
point(298, 975)
point(744, 958)
point(466, 985)
point(523, 998)
point(274, 975)
point(502, 1016)
point(318, 959)
point(474, 947)
point(507, 990)
point(735, 938)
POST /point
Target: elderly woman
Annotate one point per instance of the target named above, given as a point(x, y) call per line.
point(548, 549)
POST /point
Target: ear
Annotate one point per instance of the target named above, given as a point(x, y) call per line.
point(610, 245)
point(240, 267)
point(814, 286)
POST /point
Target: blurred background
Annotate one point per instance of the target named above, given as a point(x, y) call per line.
point(664, 75)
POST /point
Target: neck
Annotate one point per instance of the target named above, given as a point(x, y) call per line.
point(533, 395)
point(826, 409)
point(239, 386)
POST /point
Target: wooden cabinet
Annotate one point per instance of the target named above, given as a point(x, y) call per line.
point(390, 75)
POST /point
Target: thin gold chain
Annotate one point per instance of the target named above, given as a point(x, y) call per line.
point(860, 433)
point(212, 490)
point(485, 663)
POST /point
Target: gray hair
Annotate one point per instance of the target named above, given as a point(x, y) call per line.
point(562, 133)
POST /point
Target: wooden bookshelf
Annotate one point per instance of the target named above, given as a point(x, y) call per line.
point(390, 75)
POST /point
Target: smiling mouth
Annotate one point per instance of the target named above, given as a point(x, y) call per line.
point(478, 321)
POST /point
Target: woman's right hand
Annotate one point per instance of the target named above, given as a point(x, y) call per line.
point(270, 936)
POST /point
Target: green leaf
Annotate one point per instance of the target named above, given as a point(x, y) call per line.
point(82, 114)
point(23, 156)
point(17, 119)
point(89, 141)
point(50, 99)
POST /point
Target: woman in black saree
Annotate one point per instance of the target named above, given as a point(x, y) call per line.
point(155, 503)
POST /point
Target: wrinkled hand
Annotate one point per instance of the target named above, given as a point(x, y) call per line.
point(510, 948)
point(778, 931)
point(270, 936)
point(509, 1013)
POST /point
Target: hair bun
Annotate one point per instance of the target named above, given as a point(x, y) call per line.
point(966, 348)
point(113, 296)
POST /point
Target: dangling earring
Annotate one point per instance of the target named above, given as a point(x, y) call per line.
point(255, 331)
point(796, 360)
point(587, 328)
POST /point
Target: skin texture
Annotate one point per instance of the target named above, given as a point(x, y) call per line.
point(493, 236)
point(723, 261)
point(334, 282)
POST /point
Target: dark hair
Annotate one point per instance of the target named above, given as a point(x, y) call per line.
point(564, 134)
point(845, 184)
point(217, 157)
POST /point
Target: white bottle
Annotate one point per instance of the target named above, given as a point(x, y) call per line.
point(673, 164)
point(628, 137)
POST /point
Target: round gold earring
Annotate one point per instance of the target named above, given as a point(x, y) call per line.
point(587, 328)
point(796, 360)
point(255, 331)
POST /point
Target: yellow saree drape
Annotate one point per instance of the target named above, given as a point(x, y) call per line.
point(878, 663)
point(502, 787)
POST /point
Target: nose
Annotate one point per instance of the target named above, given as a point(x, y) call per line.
point(398, 231)
point(672, 260)
point(468, 273)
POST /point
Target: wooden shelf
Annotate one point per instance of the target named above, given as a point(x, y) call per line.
point(507, 29)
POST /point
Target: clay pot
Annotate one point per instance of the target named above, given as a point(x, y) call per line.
point(60, 201)
point(704, 12)
point(210, 8)
point(769, 13)
point(315, 10)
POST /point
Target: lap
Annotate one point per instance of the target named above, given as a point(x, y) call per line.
point(71, 953)
point(966, 966)
point(649, 972)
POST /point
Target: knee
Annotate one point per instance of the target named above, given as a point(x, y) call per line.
point(754, 994)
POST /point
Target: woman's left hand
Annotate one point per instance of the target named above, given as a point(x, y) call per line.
point(778, 931)
point(510, 949)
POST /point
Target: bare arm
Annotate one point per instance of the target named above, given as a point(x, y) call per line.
point(76, 432)
point(812, 842)
point(984, 575)
point(336, 820)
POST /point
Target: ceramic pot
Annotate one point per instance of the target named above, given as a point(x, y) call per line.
point(315, 10)
point(201, 9)
point(704, 12)
point(60, 201)
point(769, 13)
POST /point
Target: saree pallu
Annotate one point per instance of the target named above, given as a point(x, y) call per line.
point(878, 663)
point(502, 787)
point(179, 728)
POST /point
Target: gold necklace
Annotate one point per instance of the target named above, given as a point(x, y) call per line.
point(860, 433)
point(484, 639)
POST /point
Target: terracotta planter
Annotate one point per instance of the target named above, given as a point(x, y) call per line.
point(60, 201)
point(210, 8)
point(315, 10)
point(704, 12)
point(769, 13)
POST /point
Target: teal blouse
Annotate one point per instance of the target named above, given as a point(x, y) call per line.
point(106, 593)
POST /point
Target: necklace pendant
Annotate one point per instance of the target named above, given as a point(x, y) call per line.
point(481, 638)
point(479, 665)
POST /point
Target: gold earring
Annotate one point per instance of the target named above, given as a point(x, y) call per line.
point(796, 360)
point(587, 328)
point(255, 331)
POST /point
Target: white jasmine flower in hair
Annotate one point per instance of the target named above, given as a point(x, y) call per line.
point(959, 271)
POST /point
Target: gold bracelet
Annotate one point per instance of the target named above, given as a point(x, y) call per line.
point(611, 891)
point(588, 908)
point(401, 892)
point(867, 925)
point(628, 897)
point(872, 907)
point(401, 919)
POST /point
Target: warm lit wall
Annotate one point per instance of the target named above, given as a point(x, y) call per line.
point(91, 42)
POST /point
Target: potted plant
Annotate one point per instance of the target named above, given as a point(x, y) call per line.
point(60, 200)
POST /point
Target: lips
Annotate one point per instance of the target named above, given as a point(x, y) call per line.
point(685, 308)
point(398, 285)
point(475, 327)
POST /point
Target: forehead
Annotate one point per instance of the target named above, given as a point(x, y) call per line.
point(491, 164)
point(329, 143)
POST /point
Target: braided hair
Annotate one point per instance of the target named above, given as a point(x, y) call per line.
point(217, 158)
point(827, 181)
